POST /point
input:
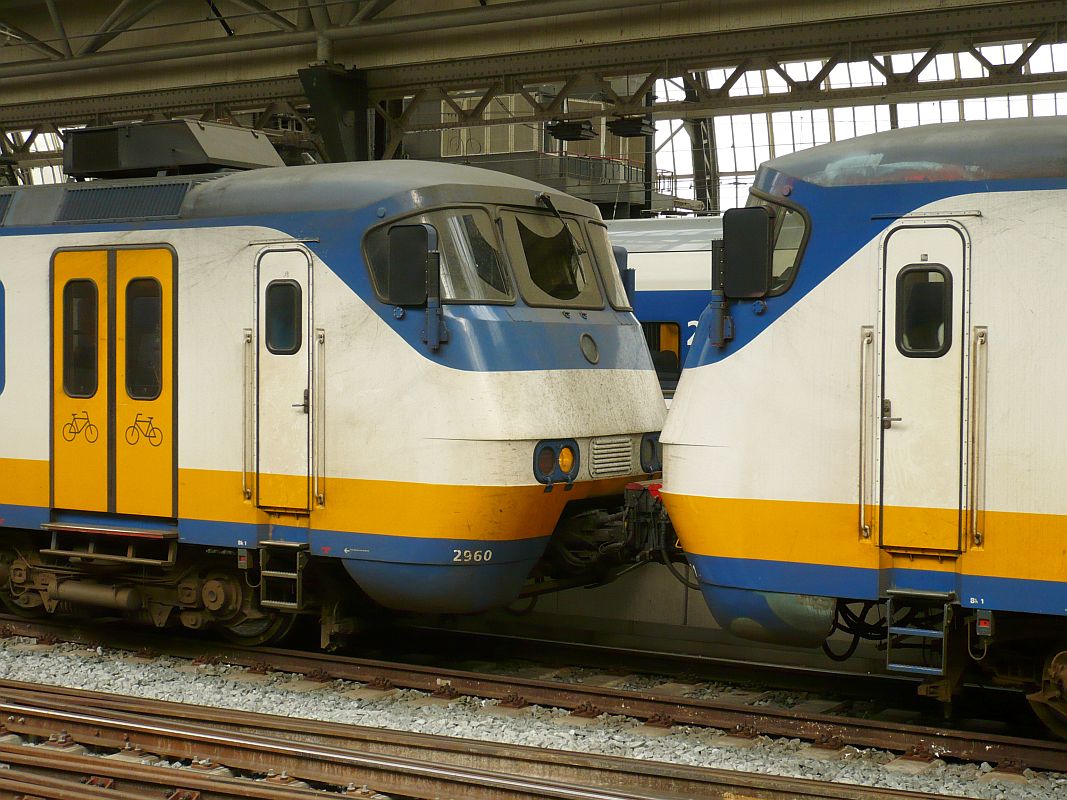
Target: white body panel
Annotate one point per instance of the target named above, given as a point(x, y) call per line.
point(385, 416)
point(810, 356)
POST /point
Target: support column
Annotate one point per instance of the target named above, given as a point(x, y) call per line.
point(705, 158)
point(339, 103)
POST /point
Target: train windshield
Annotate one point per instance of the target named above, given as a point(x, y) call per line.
point(609, 269)
point(473, 268)
point(552, 261)
point(790, 231)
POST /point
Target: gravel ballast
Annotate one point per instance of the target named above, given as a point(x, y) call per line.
point(214, 685)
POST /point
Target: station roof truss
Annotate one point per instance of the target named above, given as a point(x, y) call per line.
point(66, 64)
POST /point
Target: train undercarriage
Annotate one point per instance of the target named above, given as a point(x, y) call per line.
point(257, 596)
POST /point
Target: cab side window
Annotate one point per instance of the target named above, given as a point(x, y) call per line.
point(664, 344)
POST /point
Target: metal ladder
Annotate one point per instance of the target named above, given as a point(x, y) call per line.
point(904, 634)
point(281, 575)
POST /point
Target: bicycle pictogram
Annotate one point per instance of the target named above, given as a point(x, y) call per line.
point(80, 424)
point(142, 426)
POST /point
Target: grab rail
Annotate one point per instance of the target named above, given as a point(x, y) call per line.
point(866, 345)
point(976, 471)
point(319, 461)
point(248, 444)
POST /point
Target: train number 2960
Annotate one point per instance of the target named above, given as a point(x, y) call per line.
point(472, 555)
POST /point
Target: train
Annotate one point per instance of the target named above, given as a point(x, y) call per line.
point(867, 444)
point(235, 394)
point(670, 258)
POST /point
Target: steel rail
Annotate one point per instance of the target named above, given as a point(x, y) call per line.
point(43, 771)
point(423, 778)
point(592, 700)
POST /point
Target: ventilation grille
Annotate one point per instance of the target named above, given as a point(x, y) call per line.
point(5, 201)
point(612, 456)
point(99, 203)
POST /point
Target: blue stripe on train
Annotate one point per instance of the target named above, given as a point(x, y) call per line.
point(848, 217)
point(856, 583)
point(360, 546)
point(483, 338)
point(31, 517)
point(447, 576)
point(683, 306)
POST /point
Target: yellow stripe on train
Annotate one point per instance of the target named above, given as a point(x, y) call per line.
point(828, 533)
point(365, 506)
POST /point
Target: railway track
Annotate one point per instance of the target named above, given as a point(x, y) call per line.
point(657, 706)
point(323, 759)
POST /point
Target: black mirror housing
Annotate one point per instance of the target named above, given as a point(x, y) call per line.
point(410, 247)
point(748, 248)
point(628, 275)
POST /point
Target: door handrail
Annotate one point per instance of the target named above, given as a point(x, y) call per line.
point(247, 444)
point(319, 421)
point(979, 367)
point(866, 345)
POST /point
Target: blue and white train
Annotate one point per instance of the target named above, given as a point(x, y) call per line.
point(671, 262)
point(232, 398)
point(869, 435)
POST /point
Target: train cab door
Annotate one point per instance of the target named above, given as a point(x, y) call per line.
point(114, 445)
point(283, 358)
point(922, 400)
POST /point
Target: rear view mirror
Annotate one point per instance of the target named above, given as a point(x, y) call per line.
point(622, 258)
point(410, 247)
point(748, 247)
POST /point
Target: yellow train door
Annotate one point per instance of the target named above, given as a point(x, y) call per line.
point(81, 425)
point(114, 443)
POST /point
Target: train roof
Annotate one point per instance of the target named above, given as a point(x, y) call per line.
point(961, 151)
point(274, 190)
point(665, 234)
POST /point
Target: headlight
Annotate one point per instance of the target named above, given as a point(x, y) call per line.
point(556, 461)
point(651, 455)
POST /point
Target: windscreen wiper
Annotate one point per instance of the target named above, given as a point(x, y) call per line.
point(547, 201)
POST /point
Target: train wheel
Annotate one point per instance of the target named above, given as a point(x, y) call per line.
point(260, 632)
point(27, 605)
point(1050, 701)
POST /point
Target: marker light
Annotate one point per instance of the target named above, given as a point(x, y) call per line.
point(651, 455)
point(546, 460)
point(566, 459)
point(556, 461)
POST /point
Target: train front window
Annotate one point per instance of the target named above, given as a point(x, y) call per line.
point(609, 269)
point(472, 266)
point(552, 262)
point(790, 233)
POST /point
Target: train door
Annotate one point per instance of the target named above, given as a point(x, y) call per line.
point(922, 455)
point(113, 391)
point(284, 402)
